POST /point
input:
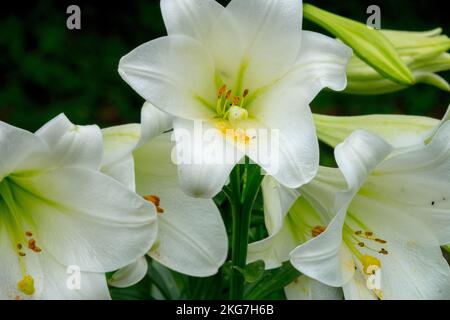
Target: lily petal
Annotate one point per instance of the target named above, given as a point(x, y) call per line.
point(325, 258)
point(305, 288)
point(75, 211)
point(286, 146)
point(267, 31)
point(174, 73)
point(193, 18)
point(204, 157)
point(130, 275)
point(191, 237)
point(418, 183)
point(73, 145)
point(17, 147)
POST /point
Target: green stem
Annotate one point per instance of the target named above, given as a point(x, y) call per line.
point(242, 202)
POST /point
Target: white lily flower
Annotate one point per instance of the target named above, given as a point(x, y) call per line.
point(392, 217)
point(60, 215)
point(246, 72)
point(191, 234)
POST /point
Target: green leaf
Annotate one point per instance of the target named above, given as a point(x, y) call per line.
point(272, 281)
point(253, 271)
point(368, 44)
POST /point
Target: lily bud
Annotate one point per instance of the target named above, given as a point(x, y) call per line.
point(423, 52)
point(370, 45)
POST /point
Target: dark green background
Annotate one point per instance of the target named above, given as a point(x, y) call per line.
point(46, 69)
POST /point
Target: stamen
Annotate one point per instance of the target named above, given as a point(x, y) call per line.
point(317, 230)
point(29, 234)
point(236, 101)
point(383, 251)
point(370, 264)
point(380, 240)
point(156, 201)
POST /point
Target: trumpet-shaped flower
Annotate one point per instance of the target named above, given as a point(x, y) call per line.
point(373, 227)
point(191, 234)
point(246, 74)
point(63, 224)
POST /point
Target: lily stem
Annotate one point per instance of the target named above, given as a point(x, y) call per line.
point(242, 197)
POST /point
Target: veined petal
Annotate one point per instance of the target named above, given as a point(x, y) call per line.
point(130, 275)
point(191, 236)
point(286, 146)
point(204, 157)
point(269, 33)
point(72, 145)
point(356, 289)
point(399, 130)
point(119, 142)
point(192, 18)
point(418, 183)
point(93, 286)
point(305, 288)
point(324, 257)
point(85, 218)
point(322, 63)
point(17, 146)
point(174, 73)
point(153, 122)
point(414, 267)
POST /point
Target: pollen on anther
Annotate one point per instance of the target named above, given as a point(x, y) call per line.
point(358, 232)
point(29, 234)
point(317, 230)
point(228, 96)
point(236, 100)
point(380, 240)
point(361, 244)
point(245, 93)
point(19, 246)
point(368, 233)
point(22, 254)
point(383, 251)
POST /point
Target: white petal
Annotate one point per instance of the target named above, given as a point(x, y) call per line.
point(268, 35)
point(17, 148)
point(321, 63)
point(130, 275)
point(204, 158)
point(286, 145)
point(305, 288)
point(356, 289)
point(122, 171)
point(72, 145)
point(58, 284)
point(174, 73)
point(414, 267)
point(418, 183)
point(87, 219)
point(191, 237)
point(119, 142)
point(153, 122)
point(325, 258)
point(193, 18)
point(399, 130)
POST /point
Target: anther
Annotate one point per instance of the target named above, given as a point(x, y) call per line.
point(245, 93)
point(368, 233)
point(383, 251)
point(236, 101)
point(29, 234)
point(361, 244)
point(19, 246)
point(380, 240)
point(317, 230)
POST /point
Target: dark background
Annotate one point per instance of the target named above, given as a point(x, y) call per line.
point(46, 69)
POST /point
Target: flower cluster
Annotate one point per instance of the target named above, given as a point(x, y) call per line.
point(227, 91)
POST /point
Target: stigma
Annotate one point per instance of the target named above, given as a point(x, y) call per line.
point(26, 285)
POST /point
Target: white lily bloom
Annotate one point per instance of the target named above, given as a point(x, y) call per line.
point(247, 73)
point(63, 223)
point(392, 217)
point(191, 234)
